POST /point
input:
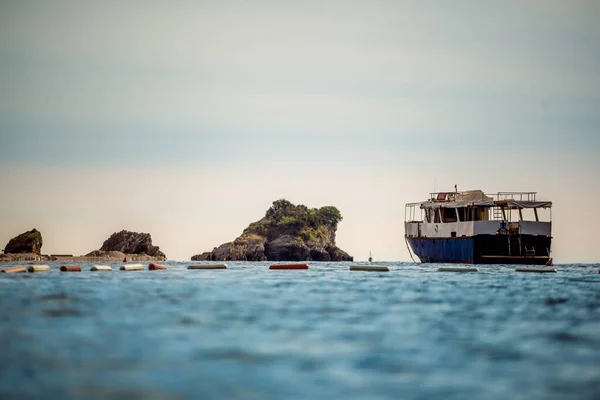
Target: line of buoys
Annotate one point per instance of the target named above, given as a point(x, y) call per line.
point(288, 266)
point(458, 269)
point(38, 268)
point(208, 266)
point(153, 266)
point(538, 270)
point(17, 269)
point(376, 268)
point(132, 267)
point(70, 268)
point(101, 268)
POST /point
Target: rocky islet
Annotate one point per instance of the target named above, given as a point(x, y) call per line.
point(126, 243)
point(120, 245)
point(287, 232)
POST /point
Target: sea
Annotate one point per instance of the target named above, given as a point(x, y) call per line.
point(248, 332)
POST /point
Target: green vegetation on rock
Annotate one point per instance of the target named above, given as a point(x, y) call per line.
point(283, 212)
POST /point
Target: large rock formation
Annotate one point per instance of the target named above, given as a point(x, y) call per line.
point(127, 242)
point(27, 242)
point(286, 233)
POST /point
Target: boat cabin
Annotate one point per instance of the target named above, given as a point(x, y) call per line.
point(474, 227)
point(452, 214)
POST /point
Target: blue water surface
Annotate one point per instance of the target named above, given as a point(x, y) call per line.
point(251, 333)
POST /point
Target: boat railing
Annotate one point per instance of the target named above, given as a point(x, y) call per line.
point(410, 212)
point(516, 196)
point(500, 196)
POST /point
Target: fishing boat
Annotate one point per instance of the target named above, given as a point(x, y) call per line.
point(472, 227)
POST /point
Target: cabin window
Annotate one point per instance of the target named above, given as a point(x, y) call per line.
point(470, 214)
point(465, 214)
point(448, 215)
point(480, 214)
point(437, 219)
point(428, 214)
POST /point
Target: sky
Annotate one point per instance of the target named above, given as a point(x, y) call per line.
point(187, 119)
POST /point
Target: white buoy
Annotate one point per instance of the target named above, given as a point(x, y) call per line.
point(375, 268)
point(38, 268)
point(101, 268)
point(538, 270)
point(208, 266)
point(132, 267)
point(458, 269)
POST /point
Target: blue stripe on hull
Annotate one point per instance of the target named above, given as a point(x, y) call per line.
point(445, 250)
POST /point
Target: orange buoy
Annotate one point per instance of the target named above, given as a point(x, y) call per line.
point(153, 267)
point(14, 270)
point(289, 266)
point(70, 268)
point(549, 262)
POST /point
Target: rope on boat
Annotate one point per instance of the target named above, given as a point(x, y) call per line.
point(408, 247)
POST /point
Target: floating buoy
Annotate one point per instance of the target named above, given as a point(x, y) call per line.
point(17, 269)
point(208, 266)
point(70, 268)
point(538, 270)
point(132, 267)
point(38, 268)
point(549, 262)
point(101, 268)
point(458, 269)
point(376, 268)
point(125, 259)
point(153, 267)
point(289, 266)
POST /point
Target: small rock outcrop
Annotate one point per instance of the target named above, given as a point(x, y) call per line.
point(287, 232)
point(27, 242)
point(126, 242)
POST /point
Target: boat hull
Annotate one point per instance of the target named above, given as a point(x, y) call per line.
point(483, 249)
